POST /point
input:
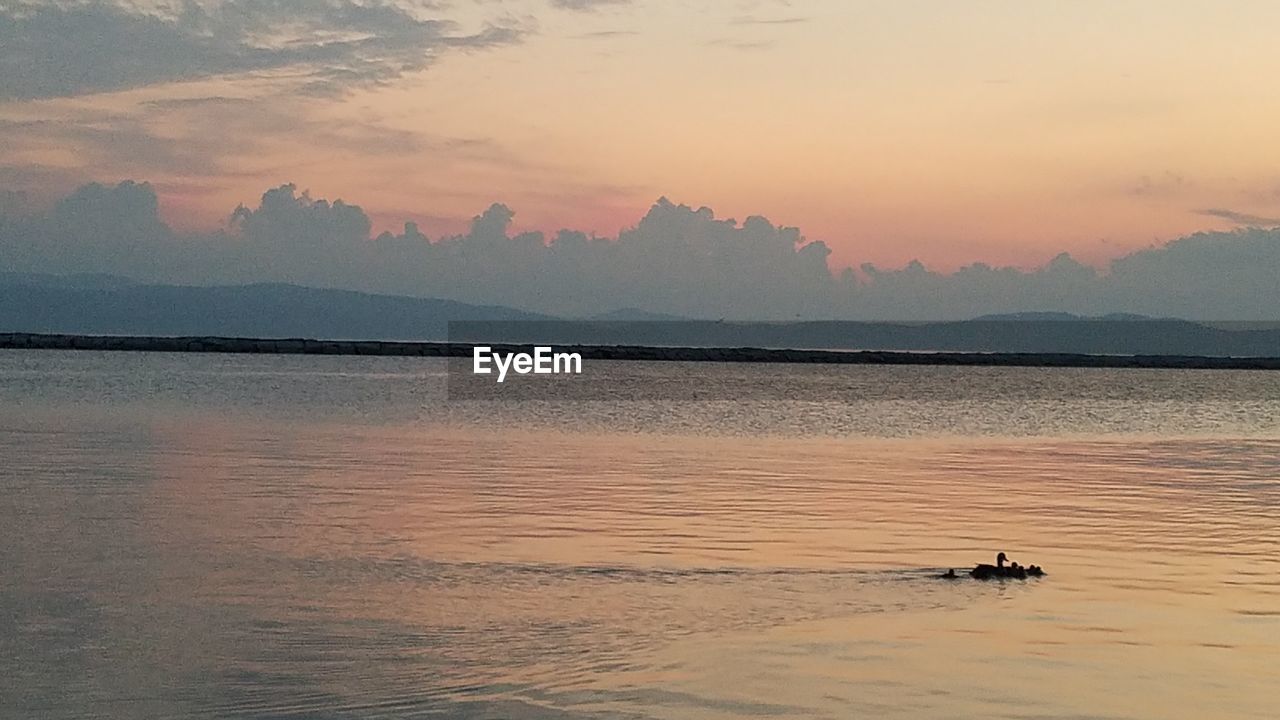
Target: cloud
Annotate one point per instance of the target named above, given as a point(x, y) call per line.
point(752, 25)
point(12, 201)
point(223, 139)
point(587, 5)
point(1241, 218)
point(62, 49)
point(604, 34)
point(121, 141)
point(1164, 185)
point(676, 259)
point(752, 20)
point(745, 45)
point(94, 227)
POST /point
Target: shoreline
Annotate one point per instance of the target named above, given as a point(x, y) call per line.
point(437, 349)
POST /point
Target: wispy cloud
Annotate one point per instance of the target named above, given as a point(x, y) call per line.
point(602, 34)
point(753, 20)
point(1241, 218)
point(196, 136)
point(587, 5)
point(738, 44)
point(1162, 185)
point(64, 49)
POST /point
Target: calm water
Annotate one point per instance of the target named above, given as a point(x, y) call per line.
point(272, 537)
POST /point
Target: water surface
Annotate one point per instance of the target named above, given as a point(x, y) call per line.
point(293, 536)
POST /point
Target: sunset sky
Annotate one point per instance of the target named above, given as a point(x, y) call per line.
point(949, 132)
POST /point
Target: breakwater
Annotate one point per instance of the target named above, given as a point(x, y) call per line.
point(139, 343)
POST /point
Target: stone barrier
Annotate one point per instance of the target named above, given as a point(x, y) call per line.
point(307, 346)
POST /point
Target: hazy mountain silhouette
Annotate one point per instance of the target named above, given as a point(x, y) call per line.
point(636, 315)
point(103, 304)
point(78, 281)
point(1023, 316)
point(267, 310)
point(1063, 316)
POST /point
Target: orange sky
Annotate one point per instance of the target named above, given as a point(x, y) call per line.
point(994, 131)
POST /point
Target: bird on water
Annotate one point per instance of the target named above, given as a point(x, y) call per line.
point(984, 571)
point(988, 572)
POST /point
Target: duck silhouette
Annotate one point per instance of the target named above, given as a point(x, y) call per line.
point(985, 572)
point(1014, 570)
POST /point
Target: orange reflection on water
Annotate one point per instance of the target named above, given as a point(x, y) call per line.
point(715, 577)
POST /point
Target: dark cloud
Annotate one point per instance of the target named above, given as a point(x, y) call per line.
point(13, 203)
point(1241, 218)
point(94, 227)
point(677, 259)
point(61, 49)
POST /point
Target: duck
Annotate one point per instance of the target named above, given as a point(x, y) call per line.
point(1014, 570)
point(986, 572)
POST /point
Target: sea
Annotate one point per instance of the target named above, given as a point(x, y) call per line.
point(287, 536)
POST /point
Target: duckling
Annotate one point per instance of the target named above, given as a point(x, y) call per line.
point(949, 575)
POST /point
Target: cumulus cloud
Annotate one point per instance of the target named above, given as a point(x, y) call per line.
point(12, 202)
point(60, 49)
point(677, 259)
point(94, 227)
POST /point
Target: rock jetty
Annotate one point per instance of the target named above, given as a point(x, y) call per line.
point(137, 343)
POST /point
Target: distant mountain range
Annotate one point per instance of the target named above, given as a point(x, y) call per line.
point(108, 305)
point(1063, 316)
point(79, 281)
point(635, 315)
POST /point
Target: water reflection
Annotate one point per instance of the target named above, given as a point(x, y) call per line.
point(220, 560)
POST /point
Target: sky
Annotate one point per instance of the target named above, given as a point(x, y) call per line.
point(950, 133)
